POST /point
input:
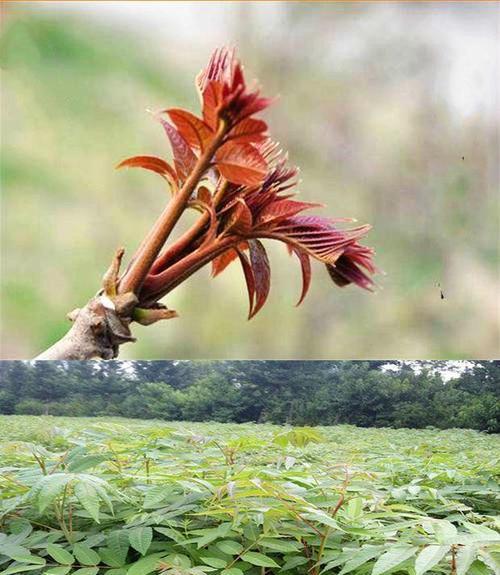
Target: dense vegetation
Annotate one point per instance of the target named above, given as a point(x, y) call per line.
point(366, 394)
point(132, 497)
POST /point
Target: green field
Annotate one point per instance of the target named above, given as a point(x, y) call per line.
point(118, 496)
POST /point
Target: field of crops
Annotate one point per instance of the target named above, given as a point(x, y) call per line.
point(115, 496)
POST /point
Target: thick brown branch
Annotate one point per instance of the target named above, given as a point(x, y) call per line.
point(96, 333)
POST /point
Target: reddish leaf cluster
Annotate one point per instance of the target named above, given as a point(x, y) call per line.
point(226, 166)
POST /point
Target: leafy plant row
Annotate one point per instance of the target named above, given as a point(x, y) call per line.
point(123, 497)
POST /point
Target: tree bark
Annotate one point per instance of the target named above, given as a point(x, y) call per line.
point(97, 332)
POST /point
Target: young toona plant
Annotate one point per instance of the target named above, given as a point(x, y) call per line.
point(227, 168)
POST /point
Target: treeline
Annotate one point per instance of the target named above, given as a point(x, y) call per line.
point(363, 393)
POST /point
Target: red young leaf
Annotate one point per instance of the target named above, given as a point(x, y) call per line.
point(204, 195)
point(240, 219)
point(337, 278)
point(249, 279)
point(317, 236)
point(192, 129)
point(212, 100)
point(255, 104)
point(241, 164)
point(220, 68)
point(199, 204)
point(344, 272)
point(281, 209)
point(261, 273)
point(224, 91)
point(305, 265)
point(249, 130)
point(150, 163)
point(184, 158)
point(220, 263)
point(347, 268)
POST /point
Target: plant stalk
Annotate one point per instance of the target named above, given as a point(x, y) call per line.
point(176, 249)
point(148, 252)
point(180, 271)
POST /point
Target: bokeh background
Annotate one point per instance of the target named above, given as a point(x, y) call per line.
point(390, 110)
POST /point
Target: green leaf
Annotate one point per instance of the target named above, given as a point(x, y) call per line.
point(179, 560)
point(118, 543)
point(392, 558)
point(230, 547)
point(322, 518)
point(212, 535)
point(87, 571)
point(293, 562)
point(479, 568)
point(360, 558)
point(491, 559)
point(465, 557)
point(20, 569)
point(145, 565)
point(445, 531)
point(50, 487)
point(259, 559)
point(58, 570)
point(84, 462)
point(171, 534)
point(87, 495)
point(140, 538)
point(279, 545)
point(354, 508)
point(20, 529)
point(101, 490)
point(85, 555)
point(298, 437)
point(214, 561)
point(109, 557)
point(486, 533)
point(154, 495)
point(60, 554)
point(232, 571)
point(16, 552)
point(429, 557)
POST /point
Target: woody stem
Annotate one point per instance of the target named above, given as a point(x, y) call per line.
point(187, 237)
point(152, 245)
point(159, 285)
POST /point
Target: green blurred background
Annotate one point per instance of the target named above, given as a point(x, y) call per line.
point(390, 110)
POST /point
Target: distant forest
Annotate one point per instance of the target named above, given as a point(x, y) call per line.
point(363, 393)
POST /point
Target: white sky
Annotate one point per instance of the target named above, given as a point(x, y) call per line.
point(452, 370)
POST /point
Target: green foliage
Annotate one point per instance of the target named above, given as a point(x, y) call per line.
point(298, 437)
point(131, 497)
